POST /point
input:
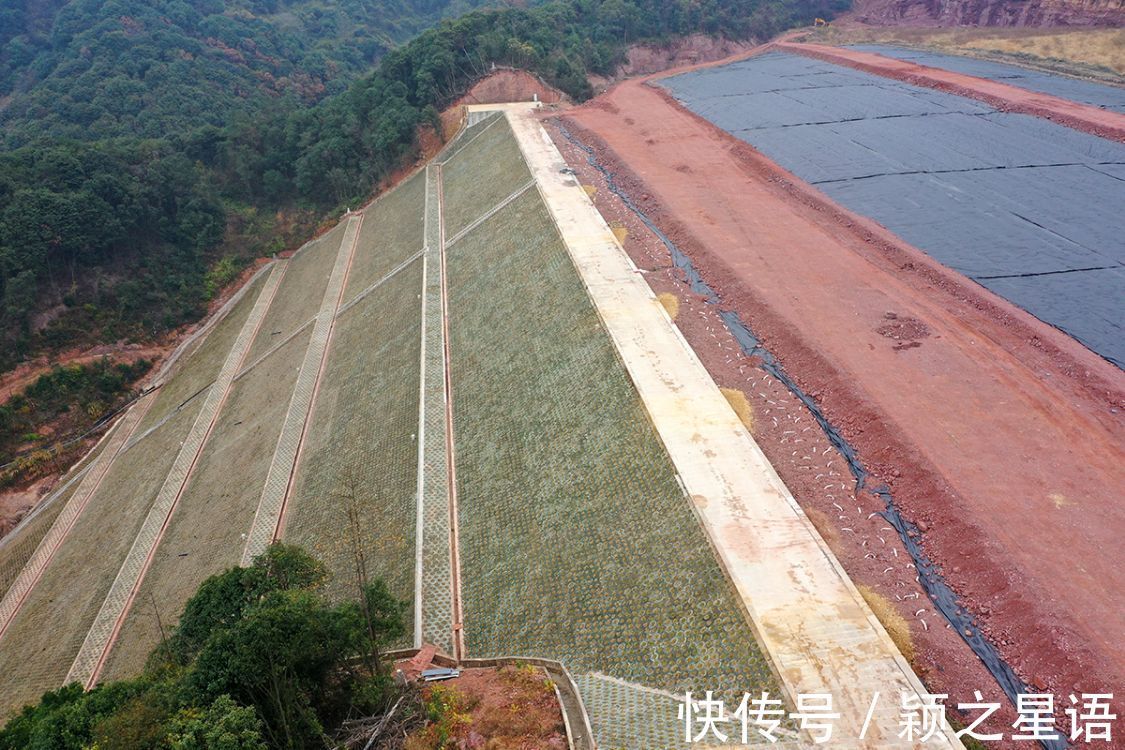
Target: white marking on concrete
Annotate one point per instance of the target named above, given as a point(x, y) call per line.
point(819, 634)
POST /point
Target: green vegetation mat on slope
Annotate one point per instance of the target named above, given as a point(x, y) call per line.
point(199, 367)
point(206, 533)
point(599, 560)
point(37, 651)
point(357, 479)
point(468, 197)
point(391, 232)
point(466, 134)
point(300, 293)
point(20, 544)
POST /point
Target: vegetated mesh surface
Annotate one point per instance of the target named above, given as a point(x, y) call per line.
point(466, 135)
point(300, 292)
point(1025, 207)
point(20, 544)
point(361, 452)
point(576, 540)
point(391, 232)
point(1084, 92)
point(205, 535)
point(480, 175)
point(199, 369)
point(37, 651)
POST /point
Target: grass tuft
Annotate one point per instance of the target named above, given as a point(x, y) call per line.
point(671, 304)
point(738, 402)
point(897, 626)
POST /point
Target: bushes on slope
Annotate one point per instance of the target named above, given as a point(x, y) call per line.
point(259, 660)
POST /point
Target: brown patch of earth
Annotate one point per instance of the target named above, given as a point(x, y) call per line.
point(15, 504)
point(26, 373)
point(501, 86)
point(685, 53)
point(510, 85)
point(974, 431)
point(499, 708)
point(908, 331)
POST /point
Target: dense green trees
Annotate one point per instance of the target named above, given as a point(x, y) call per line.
point(259, 660)
point(72, 212)
point(139, 132)
point(88, 69)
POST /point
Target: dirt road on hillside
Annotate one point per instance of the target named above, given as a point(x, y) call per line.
point(998, 435)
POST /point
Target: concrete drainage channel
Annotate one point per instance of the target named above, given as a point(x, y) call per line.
point(943, 597)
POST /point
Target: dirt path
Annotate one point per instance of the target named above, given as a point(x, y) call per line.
point(1001, 437)
point(1084, 117)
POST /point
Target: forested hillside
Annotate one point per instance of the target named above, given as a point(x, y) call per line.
point(91, 69)
point(152, 147)
point(110, 227)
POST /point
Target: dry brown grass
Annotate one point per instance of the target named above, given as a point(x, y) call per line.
point(671, 304)
point(1100, 48)
point(620, 233)
point(738, 402)
point(1087, 53)
point(896, 625)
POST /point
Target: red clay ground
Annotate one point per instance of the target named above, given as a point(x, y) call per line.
point(999, 436)
point(1103, 122)
point(494, 708)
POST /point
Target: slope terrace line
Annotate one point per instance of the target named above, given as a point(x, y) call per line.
point(810, 620)
point(107, 624)
point(269, 519)
point(32, 571)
